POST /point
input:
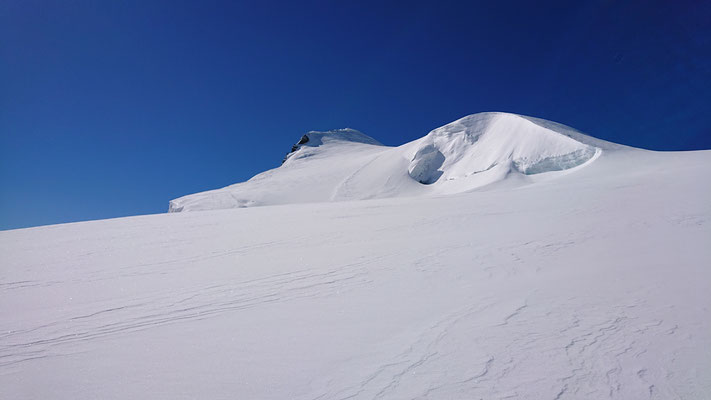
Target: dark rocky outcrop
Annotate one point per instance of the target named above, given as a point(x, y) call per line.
point(304, 139)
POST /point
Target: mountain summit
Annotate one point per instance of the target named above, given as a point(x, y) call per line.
point(470, 153)
point(317, 138)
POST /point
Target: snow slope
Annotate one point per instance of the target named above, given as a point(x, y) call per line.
point(467, 154)
point(591, 285)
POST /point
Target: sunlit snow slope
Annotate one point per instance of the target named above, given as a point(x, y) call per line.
point(592, 281)
point(469, 153)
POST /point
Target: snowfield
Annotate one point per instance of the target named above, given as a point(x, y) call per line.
point(534, 263)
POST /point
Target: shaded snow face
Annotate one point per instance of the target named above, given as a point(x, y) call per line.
point(424, 167)
point(555, 163)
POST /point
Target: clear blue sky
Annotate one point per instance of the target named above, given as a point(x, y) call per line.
point(112, 108)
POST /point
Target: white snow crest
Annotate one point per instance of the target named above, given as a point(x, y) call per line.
point(470, 153)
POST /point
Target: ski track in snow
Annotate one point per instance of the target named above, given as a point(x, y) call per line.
point(196, 304)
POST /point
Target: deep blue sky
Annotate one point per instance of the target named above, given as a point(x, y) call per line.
point(112, 108)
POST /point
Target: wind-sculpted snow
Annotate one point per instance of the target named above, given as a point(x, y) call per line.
point(316, 139)
point(424, 167)
point(593, 285)
point(554, 163)
point(348, 135)
point(470, 153)
point(484, 148)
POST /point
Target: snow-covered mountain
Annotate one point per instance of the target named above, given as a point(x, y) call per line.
point(470, 153)
point(500, 257)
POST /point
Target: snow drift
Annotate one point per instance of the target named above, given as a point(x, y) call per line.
point(470, 153)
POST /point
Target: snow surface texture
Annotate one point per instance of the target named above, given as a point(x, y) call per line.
point(592, 285)
point(467, 154)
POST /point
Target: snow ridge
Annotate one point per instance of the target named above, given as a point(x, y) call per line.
point(335, 136)
point(470, 153)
